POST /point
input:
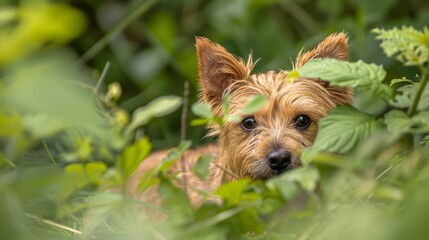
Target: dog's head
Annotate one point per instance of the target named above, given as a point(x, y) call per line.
point(269, 141)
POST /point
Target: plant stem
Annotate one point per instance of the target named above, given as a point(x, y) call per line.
point(183, 130)
point(424, 80)
point(98, 46)
point(49, 152)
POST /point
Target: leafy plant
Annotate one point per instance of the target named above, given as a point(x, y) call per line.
point(69, 147)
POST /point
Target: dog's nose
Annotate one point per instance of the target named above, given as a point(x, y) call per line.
point(279, 159)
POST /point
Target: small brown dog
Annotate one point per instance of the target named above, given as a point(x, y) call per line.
point(268, 142)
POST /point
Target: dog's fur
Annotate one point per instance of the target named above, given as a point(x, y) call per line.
point(243, 153)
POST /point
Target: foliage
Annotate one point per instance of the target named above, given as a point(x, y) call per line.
point(71, 136)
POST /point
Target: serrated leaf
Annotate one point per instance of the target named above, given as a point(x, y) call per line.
point(131, 157)
point(398, 122)
point(156, 108)
point(201, 168)
point(406, 44)
point(406, 95)
point(255, 103)
point(345, 74)
point(344, 129)
point(202, 110)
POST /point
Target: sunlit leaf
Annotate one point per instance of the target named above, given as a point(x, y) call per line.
point(95, 170)
point(39, 24)
point(406, 44)
point(133, 155)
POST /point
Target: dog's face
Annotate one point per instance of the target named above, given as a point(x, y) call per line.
point(269, 141)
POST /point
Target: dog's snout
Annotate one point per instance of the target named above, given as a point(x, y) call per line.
point(279, 160)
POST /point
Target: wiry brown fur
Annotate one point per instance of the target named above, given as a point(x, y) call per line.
point(241, 153)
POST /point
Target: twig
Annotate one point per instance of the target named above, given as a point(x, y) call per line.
point(183, 128)
point(227, 171)
point(49, 222)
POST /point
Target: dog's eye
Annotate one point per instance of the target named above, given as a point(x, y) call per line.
point(302, 122)
point(248, 124)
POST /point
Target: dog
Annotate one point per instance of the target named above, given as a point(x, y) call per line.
point(263, 144)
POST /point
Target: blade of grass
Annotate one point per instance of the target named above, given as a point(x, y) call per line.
point(102, 78)
point(49, 152)
point(119, 27)
point(49, 222)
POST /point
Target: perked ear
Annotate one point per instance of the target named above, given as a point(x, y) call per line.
point(334, 46)
point(218, 69)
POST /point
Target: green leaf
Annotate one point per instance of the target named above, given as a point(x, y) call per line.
point(175, 201)
point(407, 44)
point(94, 171)
point(218, 218)
point(130, 158)
point(156, 108)
point(292, 75)
point(399, 122)
point(231, 193)
point(173, 156)
point(307, 177)
point(288, 190)
point(199, 122)
point(389, 193)
point(406, 95)
point(255, 103)
point(202, 110)
point(343, 130)
point(201, 168)
point(401, 80)
point(346, 74)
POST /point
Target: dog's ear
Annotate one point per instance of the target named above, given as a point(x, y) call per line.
point(334, 46)
point(218, 69)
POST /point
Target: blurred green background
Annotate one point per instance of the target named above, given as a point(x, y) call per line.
point(77, 78)
point(154, 54)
